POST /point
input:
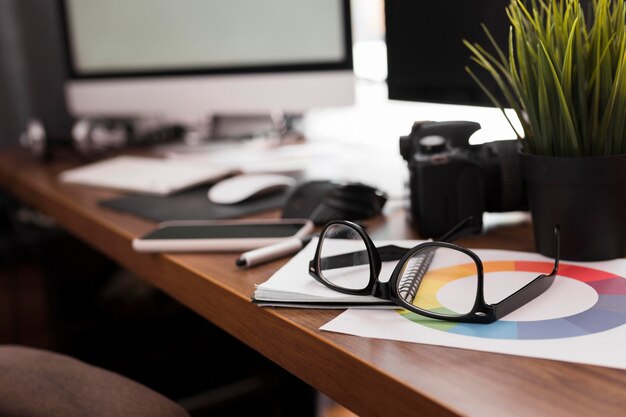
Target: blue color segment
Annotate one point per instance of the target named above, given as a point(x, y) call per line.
point(549, 329)
point(595, 320)
point(615, 303)
point(497, 330)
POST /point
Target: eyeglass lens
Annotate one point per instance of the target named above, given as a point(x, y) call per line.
point(440, 280)
point(344, 260)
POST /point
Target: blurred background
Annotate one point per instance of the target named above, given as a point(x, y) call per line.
point(118, 322)
point(122, 324)
point(32, 66)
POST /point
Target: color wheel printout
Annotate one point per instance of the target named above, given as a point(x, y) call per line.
point(579, 319)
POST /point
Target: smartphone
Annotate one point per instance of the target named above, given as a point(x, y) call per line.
point(220, 235)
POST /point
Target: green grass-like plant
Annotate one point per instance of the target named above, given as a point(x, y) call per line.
point(564, 75)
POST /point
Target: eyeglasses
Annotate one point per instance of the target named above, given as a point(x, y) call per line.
point(347, 261)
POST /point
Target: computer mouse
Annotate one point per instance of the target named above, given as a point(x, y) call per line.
point(239, 188)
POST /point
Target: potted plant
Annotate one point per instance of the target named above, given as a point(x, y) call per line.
point(564, 74)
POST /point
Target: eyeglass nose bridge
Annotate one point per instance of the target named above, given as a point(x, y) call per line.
point(381, 290)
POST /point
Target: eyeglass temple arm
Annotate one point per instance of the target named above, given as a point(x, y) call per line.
point(387, 253)
point(468, 226)
point(557, 254)
point(533, 289)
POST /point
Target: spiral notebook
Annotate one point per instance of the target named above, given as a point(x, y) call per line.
point(292, 286)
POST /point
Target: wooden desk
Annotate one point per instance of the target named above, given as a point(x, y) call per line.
point(371, 377)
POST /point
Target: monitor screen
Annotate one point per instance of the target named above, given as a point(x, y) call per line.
point(174, 46)
point(425, 53)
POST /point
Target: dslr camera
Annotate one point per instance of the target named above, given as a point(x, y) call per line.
point(451, 180)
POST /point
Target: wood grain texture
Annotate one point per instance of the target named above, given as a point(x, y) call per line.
point(371, 377)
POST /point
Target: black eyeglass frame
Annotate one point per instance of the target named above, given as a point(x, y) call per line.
point(481, 312)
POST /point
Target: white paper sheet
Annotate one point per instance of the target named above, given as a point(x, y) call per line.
point(579, 319)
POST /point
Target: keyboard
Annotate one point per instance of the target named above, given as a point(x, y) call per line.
point(143, 175)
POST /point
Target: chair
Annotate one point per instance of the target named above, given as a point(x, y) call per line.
point(37, 383)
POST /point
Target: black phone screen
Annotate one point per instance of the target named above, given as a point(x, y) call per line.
point(226, 231)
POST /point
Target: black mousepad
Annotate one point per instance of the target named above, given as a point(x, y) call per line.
point(191, 205)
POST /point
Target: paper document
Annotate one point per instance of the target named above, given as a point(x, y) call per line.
point(581, 318)
point(143, 175)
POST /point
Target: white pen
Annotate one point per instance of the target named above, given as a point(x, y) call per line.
point(271, 252)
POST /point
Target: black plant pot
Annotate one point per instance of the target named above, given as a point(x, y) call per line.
point(586, 196)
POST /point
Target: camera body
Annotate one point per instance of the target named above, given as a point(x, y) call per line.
point(451, 180)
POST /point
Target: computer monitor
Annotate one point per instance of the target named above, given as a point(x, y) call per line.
point(426, 57)
point(190, 59)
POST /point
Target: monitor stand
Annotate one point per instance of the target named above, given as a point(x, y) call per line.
point(221, 132)
point(278, 126)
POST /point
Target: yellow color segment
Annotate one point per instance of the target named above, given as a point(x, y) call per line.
point(433, 280)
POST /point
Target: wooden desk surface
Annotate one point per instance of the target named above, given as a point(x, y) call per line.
point(371, 377)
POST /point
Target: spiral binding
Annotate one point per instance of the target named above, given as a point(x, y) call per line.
point(414, 271)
